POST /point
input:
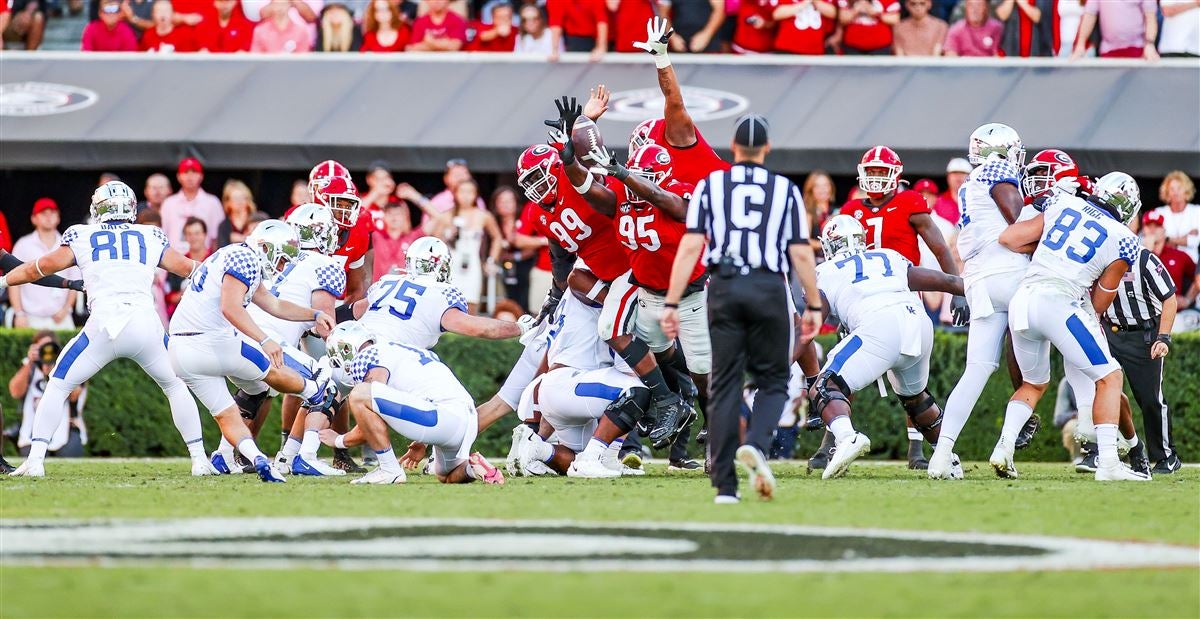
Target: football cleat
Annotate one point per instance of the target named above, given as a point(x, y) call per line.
point(30, 468)
point(314, 467)
point(761, 477)
point(241, 461)
point(1117, 471)
point(1138, 460)
point(628, 471)
point(222, 461)
point(266, 472)
point(1002, 460)
point(1028, 431)
point(202, 467)
point(941, 465)
point(632, 459)
point(1087, 459)
point(343, 461)
point(283, 464)
point(380, 476)
point(512, 462)
point(727, 499)
point(1167, 465)
point(844, 454)
point(674, 415)
point(591, 468)
point(537, 468)
point(683, 465)
point(484, 470)
point(5, 467)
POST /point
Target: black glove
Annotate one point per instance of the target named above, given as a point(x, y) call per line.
point(552, 299)
point(74, 284)
point(569, 111)
point(960, 312)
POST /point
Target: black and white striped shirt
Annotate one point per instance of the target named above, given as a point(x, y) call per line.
point(1144, 288)
point(750, 214)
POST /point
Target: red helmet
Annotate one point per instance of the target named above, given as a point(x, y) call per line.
point(321, 173)
point(1044, 170)
point(641, 133)
point(341, 196)
point(537, 173)
point(651, 162)
point(876, 159)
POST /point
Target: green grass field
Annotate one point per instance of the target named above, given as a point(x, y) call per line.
point(1047, 500)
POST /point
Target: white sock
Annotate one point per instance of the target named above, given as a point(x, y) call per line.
point(915, 435)
point(1106, 440)
point(842, 429)
point(249, 449)
point(963, 398)
point(184, 413)
point(541, 449)
point(291, 448)
point(614, 450)
point(312, 441)
point(595, 448)
point(1133, 442)
point(1083, 424)
point(225, 446)
point(1015, 416)
point(945, 445)
point(310, 389)
point(387, 460)
point(37, 450)
point(196, 449)
point(49, 415)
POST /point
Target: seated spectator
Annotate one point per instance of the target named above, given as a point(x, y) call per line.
point(977, 34)
point(139, 14)
point(228, 30)
point(109, 33)
point(1181, 219)
point(166, 36)
point(23, 21)
point(39, 307)
point(1028, 27)
point(27, 386)
point(947, 204)
point(157, 188)
point(1127, 29)
point(278, 33)
point(456, 172)
point(383, 28)
point(579, 26)
point(239, 205)
point(697, 24)
point(391, 243)
point(1179, 265)
point(802, 26)
point(190, 201)
point(158, 289)
point(535, 37)
point(500, 35)
point(920, 34)
point(867, 26)
point(193, 12)
point(337, 31)
point(195, 233)
point(629, 22)
point(1180, 29)
point(438, 30)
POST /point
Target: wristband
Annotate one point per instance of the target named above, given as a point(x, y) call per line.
point(662, 60)
point(264, 340)
point(38, 266)
point(340, 441)
point(816, 309)
point(670, 306)
point(1165, 338)
point(316, 315)
point(587, 184)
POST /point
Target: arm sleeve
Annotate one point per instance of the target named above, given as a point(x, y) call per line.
point(332, 279)
point(995, 171)
point(1157, 279)
point(8, 262)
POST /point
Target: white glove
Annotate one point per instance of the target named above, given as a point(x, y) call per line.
point(1069, 184)
point(525, 323)
point(658, 32)
point(3, 282)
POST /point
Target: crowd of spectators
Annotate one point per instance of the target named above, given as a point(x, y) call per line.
point(982, 28)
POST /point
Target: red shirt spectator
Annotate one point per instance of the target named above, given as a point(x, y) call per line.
point(1179, 265)
point(165, 36)
point(499, 36)
point(392, 241)
point(803, 26)
point(5, 235)
point(227, 30)
point(527, 225)
point(582, 25)
point(630, 23)
point(278, 33)
point(109, 33)
point(755, 29)
point(867, 25)
point(439, 30)
point(383, 29)
point(976, 34)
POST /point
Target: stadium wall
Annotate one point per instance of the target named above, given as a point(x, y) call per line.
point(127, 415)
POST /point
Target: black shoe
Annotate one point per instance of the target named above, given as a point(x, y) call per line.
point(1168, 465)
point(819, 460)
point(1137, 459)
point(1028, 431)
point(1087, 460)
point(918, 463)
point(673, 416)
point(244, 462)
point(916, 456)
point(343, 461)
point(702, 436)
point(683, 465)
point(6, 468)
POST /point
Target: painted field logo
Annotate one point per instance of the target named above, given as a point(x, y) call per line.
point(702, 103)
point(472, 545)
point(43, 99)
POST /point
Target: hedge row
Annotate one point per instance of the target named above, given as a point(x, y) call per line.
point(127, 414)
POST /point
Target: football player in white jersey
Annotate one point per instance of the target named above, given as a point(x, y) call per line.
point(585, 382)
point(989, 200)
point(873, 294)
point(411, 391)
point(118, 259)
point(1076, 244)
point(415, 308)
point(213, 337)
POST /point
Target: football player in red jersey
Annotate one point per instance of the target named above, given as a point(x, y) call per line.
point(894, 220)
point(692, 158)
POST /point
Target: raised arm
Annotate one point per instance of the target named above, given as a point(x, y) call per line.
point(680, 129)
point(9, 262)
point(669, 203)
point(929, 280)
point(287, 310)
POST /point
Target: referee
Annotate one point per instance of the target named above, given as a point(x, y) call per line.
point(754, 220)
point(1139, 336)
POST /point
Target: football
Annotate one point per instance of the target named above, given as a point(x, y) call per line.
point(586, 136)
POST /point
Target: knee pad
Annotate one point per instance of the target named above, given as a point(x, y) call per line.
point(915, 405)
point(626, 410)
point(634, 352)
point(827, 388)
point(248, 403)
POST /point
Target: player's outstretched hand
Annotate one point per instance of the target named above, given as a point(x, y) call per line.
point(274, 351)
point(960, 312)
point(609, 161)
point(525, 323)
point(414, 457)
point(597, 103)
point(810, 325)
point(658, 33)
point(325, 324)
point(569, 111)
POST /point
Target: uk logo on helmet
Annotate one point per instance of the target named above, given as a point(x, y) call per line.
point(702, 103)
point(43, 99)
